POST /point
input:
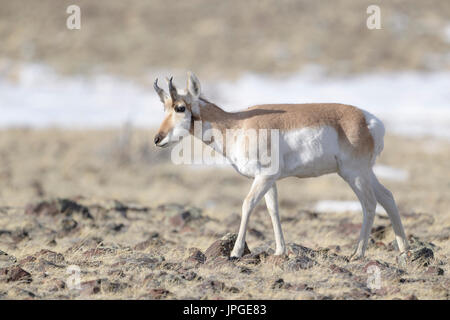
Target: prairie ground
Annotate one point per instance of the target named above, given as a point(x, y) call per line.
point(138, 226)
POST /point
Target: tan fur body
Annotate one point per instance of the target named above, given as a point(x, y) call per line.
point(348, 121)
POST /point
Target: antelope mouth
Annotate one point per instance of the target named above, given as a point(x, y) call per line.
point(164, 145)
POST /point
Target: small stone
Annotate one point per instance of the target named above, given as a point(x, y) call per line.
point(16, 274)
point(57, 285)
point(91, 287)
point(256, 233)
point(196, 257)
point(69, 224)
point(150, 243)
point(117, 227)
point(213, 285)
point(6, 260)
point(300, 263)
point(336, 269)
point(435, 271)
point(280, 284)
point(223, 247)
point(421, 256)
point(379, 232)
point(97, 252)
point(277, 260)
point(159, 293)
point(189, 275)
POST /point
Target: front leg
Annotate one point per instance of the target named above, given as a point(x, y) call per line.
point(259, 187)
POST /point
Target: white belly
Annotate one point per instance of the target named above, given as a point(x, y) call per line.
point(306, 152)
point(309, 152)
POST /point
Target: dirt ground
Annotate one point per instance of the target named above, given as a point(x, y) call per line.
point(138, 226)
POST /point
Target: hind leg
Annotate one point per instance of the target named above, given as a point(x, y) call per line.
point(360, 184)
point(272, 206)
point(385, 198)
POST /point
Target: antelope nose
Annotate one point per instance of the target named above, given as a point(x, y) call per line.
point(157, 138)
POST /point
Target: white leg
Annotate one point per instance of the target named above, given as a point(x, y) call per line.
point(271, 198)
point(363, 190)
point(259, 187)
point(385, 198)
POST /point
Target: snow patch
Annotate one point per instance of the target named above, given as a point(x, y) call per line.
point(329, 206)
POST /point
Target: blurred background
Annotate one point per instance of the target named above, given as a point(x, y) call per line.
point(78, 114)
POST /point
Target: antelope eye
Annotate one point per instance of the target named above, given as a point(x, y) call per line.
point(179, 109)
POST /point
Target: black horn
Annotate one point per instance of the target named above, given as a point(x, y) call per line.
point(162, 95)
point(172, 90)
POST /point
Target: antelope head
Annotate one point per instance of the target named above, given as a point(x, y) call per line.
point(180, 107)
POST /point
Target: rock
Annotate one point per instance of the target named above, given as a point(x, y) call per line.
point(146, 261)
point(16, 273)
point(91, 287)
point(223, 247)
point(254, 258)
point(299, 250)
point(57, 206)
point(220, 262)
point(189, 275)
point(69, 224)
point(19, 235)
point(96, 286)
point(57, 284)
point(98, 252)
point(114, 287)
point(435, 271)
point(51, 256)
point(300, 263)
point(49, 208)
point(217, 286)
point(336, 269)
point(380, 245)
point(180, 219)
point(152, 242)
point(256, 233)
point(421, 256)
point(116, 227)
point(375, 263)
point(359, 294)
point(69, 207)
point(179, 216)
point(23, 293)
point(307, 215)
point(245, 270)
point(6, 260)
point(280, 284)
point(26, 260)
point(277, 260)
point(379, 232)
point(348, 228)
point(159, 293)
point(196, 257)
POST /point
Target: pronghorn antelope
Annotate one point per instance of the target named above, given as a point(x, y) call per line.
point(314, 139)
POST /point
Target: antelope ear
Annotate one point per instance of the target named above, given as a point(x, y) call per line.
point(193, 85)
